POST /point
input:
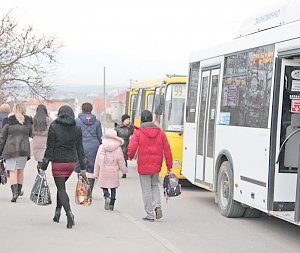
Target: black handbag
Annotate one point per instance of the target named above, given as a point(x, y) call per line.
point(3, 174)
point(40, 193)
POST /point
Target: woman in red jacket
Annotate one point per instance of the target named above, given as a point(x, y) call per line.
point(151, 144)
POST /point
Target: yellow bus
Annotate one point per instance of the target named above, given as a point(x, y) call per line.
point(165, 98)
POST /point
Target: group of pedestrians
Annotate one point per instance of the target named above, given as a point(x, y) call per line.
point(78, 145)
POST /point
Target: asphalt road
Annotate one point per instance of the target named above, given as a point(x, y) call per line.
point(191, 223)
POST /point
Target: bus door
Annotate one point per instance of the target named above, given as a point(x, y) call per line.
point(140, 106)
point(173, 124)
point(288, 139)
point(131, 104)
point(206, 126)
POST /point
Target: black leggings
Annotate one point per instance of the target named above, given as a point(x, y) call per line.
point(62, 196)
point(112, 194)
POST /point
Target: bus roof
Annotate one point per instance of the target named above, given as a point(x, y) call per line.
point(175, 79)
point(147, 84)
point(267, 37)
point(278, 14)
point(158, 82)
point(289, 30)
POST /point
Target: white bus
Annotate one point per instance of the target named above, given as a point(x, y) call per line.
point(242, 118)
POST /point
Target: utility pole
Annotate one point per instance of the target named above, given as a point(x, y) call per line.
point(104, 91)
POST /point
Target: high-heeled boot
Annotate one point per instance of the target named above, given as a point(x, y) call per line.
point(70, 218)
point(14, 190)
point(57, 214)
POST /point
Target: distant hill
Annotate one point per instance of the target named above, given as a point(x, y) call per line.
point(83, 92)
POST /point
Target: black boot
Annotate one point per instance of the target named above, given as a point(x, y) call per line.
point(20, 192)
point(112, 204)
point(57, 214)
point(14, 190)
point(70, 218)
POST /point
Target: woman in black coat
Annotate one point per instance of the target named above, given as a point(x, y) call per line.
point(64, 148)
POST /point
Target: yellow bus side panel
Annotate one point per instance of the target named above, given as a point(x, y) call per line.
point(176, 143)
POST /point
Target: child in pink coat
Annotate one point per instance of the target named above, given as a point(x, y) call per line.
point(109, 161)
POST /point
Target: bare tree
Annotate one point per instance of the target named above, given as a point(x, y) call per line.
point(26, 60)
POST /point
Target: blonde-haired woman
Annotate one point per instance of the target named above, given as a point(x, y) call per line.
point(4, 111)
point(15, 147)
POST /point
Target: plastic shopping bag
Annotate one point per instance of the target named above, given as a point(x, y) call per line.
point(83, 194)
point(40, 193)
point(3, 174)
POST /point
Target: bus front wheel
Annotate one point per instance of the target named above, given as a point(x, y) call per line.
point(227, 205)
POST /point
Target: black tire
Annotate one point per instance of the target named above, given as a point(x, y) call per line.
point(252, 213)
point(228, 207)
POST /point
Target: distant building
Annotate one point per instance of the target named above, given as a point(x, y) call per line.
point(52, 106)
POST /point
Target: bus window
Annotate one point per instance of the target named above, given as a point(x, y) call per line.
point(158, 106)
point(202, 105)
point(174, 106)
point(150, 102)
point(133, 105)
point(191, 101)
point(247, 87)
point(139, 104)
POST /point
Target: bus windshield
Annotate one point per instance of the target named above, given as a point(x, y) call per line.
point(174, 107)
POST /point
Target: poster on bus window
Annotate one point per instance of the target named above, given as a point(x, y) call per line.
point(295, 106)
point(224, 118)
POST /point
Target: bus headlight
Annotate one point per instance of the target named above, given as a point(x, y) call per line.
point(176, 163)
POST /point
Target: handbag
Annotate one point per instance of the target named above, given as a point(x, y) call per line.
point(40, 193)
point(171, 185)
point(3, 173)
point(83, 193)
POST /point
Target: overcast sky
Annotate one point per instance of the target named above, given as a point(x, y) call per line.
point(133, 39)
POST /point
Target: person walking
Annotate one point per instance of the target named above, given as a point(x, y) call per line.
point(109, 161)
point(91, 139)
point(15, 147)
point(151, 145)
point(125, 130)
point(64, 148)
point(4, 112)
point(41, 123)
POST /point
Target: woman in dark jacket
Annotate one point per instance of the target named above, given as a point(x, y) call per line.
point(64, 148)
point(91, 139)
point(15, 147)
